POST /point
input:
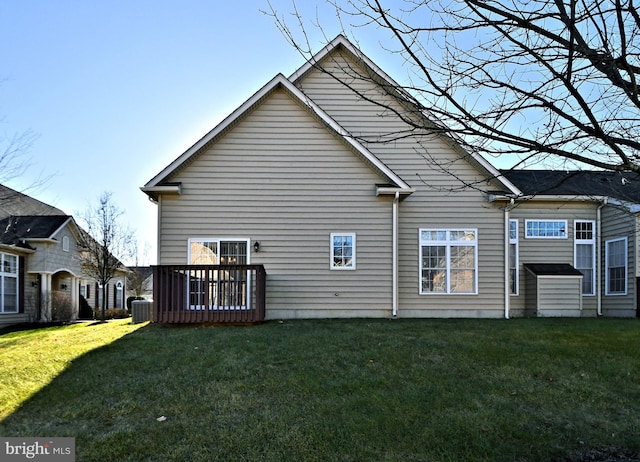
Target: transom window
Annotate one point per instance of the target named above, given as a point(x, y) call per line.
point(343, 251)
point(546, 229)
point(616, 266)
point(8, 283)
point(448, 261)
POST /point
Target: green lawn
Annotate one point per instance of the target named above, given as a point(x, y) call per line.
point(325, 390)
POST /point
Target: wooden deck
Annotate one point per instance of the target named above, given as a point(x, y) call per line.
point(209, 293)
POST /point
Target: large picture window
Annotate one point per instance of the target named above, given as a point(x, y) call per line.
point(616, 266)
point(8, 283)
point(585, 254)
point(448, 261)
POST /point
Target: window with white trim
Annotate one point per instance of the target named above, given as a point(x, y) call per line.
point(545, 229)
point(119, 295)
point(514, 272)
point(217, 252)
point(8, 283)
point(100, 295)
point(448, 261)
point(65, 243)
point(343, 251)
point(212, 288)
point(616, 266)
point(584, 258)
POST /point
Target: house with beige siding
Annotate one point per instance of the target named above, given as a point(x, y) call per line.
point(327, 194)
point(40, 264)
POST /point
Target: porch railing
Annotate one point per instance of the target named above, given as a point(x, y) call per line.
point(209, 293)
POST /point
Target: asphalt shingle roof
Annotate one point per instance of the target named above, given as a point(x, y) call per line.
point(624, 186)
point(14, 229)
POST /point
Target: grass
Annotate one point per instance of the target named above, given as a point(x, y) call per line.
point(343, 390)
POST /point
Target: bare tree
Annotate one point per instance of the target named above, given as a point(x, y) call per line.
point(13, 155)
point(530, 80)
point(107, 242)
point(139, 273)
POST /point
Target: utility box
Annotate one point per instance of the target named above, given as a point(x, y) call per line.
point(141, 311)
point(553, 290)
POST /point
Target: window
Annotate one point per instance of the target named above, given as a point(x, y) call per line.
point(546, 229)
point(99, 296)
point(8, 283)
point(585, 254)
point(212, 288)
point(448, 261)
point(616, 266)
point(343, 251)
point(65, 243)
point(217, 252)
point(118, 301)
point(514, 273)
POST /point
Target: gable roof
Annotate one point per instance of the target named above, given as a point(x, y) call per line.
point(159, 185)
point(622, 186)
point(389, 82)
point(15, 230)
point(13, 202)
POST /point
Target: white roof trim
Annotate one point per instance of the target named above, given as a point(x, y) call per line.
point(342, 40)
point(631, 206)
point(278, 80)
point(16, 249)
point(70, 219)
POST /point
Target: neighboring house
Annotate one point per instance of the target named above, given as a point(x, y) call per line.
point(140, 282)
point(352, 211)
point(40, 259)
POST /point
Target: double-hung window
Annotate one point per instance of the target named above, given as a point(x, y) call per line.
point(448, 261)
point(8, 283)
point(514, 272)
point(343, 251)
point(585, 254)
point(616, 266)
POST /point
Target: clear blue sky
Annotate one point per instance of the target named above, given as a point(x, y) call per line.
point(116, 90)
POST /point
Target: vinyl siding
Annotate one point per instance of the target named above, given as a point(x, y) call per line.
point(553, 296)
point(278, 176)
point(617, 223)
point(50, 258)
point(441, 175)
point(533, 250)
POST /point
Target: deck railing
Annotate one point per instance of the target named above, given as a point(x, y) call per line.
point(209, 293)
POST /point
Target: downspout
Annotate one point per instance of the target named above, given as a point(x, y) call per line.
point(507, 292)
point(598, 264)
point(394, 257)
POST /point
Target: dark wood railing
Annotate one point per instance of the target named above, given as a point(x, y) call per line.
point(209, 293)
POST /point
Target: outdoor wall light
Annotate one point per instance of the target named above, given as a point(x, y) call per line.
point(256, 246)
point(63, 287)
